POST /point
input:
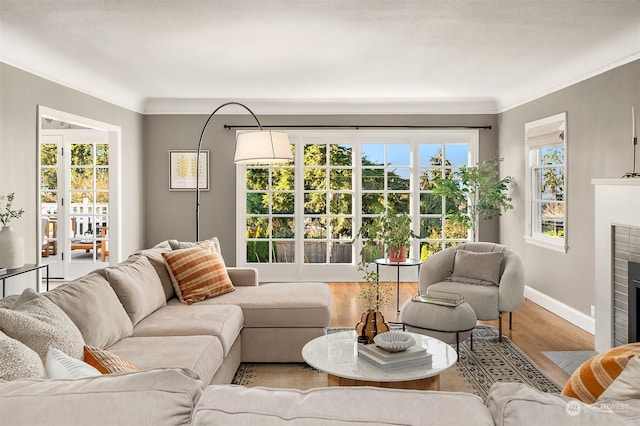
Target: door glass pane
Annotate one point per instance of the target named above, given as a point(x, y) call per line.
point(81, 154)
point(102, 154)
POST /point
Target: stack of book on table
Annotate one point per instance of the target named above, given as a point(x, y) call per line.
point(382, 358)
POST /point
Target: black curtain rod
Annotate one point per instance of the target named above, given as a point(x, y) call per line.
point(348, 126)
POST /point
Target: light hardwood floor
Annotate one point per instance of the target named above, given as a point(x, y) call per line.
point(534, 328)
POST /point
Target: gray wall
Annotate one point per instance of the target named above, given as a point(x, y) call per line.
point(20, 94)
point(172, 214)
point(599, 146)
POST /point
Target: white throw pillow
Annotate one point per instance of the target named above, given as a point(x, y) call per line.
point(61, 366)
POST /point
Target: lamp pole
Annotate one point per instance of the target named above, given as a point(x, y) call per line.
point(198, 158)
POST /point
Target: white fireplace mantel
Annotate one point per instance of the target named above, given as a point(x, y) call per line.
point(617, 202)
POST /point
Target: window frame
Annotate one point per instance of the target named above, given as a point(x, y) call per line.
point(356, 138)
point(539, 134)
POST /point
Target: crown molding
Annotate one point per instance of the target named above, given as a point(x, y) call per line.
point(159, 106)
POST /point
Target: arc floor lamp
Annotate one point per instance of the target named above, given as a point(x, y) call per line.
point(259, 147)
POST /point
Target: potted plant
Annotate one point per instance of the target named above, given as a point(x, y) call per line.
point(391, 231)
point(11, 243)
point(375, 295)
point(475, 193)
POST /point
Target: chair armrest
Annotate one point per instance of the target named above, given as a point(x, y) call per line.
point(511, 290)
point(436, 268)
point(241, 276)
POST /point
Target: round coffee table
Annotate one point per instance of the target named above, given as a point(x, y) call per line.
point(337, 355)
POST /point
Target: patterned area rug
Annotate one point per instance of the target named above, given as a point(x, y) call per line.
point(491, 361)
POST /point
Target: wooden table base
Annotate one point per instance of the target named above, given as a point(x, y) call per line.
point(430, 383)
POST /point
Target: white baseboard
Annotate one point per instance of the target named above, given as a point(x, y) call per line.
point(564, 311)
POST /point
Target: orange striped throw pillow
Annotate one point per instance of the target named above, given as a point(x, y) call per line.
point(197, 273)
point(594, 376)
point(107, 362)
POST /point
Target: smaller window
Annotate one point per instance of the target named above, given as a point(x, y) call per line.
point(546, 182)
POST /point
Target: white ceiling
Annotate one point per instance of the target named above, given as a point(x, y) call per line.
point(320, 56)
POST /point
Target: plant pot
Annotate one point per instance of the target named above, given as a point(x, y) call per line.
point(371, 324)
point(397, 254)
point(11, 249)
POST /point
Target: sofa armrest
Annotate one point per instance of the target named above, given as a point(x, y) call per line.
point(514, 404)
point(241, 276)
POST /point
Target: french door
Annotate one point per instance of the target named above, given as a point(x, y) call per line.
point(76, 208)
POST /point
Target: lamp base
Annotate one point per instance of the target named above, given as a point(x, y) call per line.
point(631, 175)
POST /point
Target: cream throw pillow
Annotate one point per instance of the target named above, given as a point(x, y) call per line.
point(138, 287)
point(17, 360)
point(477, 268)
point(38, 323)
point(197, 273)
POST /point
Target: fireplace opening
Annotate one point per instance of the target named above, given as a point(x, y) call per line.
point(634, 301)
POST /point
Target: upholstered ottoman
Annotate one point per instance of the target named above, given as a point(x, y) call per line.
point(446, 323)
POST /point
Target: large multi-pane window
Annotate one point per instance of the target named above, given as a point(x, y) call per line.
point(301, 217)
point(546, 186)
point(436, 231)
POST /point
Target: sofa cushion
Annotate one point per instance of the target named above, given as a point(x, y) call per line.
point(279, 304)
point(596, 374)
point(40, 324)
point(230, 404)
point(197, 273)
point(477, 268)
point(61, 366)
point(17, 360)
point(93, 306)
point(164, 397)
point(516, 404)
point(138, 287)
point(154, 255)
point(202, 354)
point(223, 321)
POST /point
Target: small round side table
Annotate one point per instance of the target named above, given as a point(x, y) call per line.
point(398, 265)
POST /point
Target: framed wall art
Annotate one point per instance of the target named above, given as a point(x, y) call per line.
point(182, 170)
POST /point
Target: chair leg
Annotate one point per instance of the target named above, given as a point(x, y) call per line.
point(510, 320)
point(500, 327)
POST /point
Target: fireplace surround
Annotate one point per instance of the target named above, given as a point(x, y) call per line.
point(634, 301)
point(617, 205)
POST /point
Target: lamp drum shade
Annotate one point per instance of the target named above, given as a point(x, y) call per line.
point(263, 147)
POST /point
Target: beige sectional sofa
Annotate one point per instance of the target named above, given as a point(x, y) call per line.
point(187, 355)
point(177, 397)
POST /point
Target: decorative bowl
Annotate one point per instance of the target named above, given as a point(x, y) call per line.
point(394, 341)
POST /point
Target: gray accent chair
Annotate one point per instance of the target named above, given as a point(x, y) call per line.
point(489, 302)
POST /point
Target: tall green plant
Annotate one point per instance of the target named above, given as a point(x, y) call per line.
point(476, 193)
